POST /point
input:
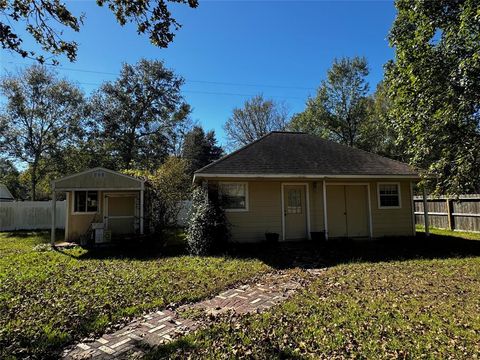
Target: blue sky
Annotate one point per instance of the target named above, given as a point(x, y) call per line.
point(278, 48)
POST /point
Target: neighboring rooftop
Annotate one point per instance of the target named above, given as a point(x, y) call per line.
point(5, 194)
point(294, 153)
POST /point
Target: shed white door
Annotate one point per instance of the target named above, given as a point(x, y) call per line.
point(295, 212)
point(347, 211)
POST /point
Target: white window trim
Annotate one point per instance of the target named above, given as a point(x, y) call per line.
point(85, 212)
point(399, 195)
point(246, 194)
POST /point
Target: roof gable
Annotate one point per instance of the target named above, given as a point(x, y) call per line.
point(98, 178)
point(293, 153)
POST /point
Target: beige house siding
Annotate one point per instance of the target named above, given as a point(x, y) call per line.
point(265, 208)
point(393, 222)
point(77, 223)
point(263, 215)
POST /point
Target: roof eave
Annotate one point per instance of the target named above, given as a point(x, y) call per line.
point(308, 176)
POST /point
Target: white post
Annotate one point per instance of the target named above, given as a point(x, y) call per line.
point(370, 222)
point(54, 217)
point(325, 216)
point(412, 206)
point(141, 210)
point(425, 211)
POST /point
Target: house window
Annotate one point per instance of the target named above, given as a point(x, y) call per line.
point(294, 201)
point(389, 195)
point(85, 201)
point(233, 196)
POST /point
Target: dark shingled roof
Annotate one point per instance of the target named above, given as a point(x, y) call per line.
point(282, 153)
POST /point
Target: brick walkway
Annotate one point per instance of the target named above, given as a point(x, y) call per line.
point(163, 326)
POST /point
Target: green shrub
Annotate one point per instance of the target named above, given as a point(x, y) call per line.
point(208, 229)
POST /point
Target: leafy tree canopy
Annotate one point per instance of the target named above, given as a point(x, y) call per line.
point(42, 116)
point(339, 110)
point(200, 148)
point(170, 184)
point(136, 116)
point(258, 117)
point(434, 84)
point(45, 21)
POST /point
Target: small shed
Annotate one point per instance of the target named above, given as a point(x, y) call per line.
point(101, 204)
point(5, 194)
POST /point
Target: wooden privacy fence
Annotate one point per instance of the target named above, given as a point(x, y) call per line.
point(30, 215)
point(462, 213)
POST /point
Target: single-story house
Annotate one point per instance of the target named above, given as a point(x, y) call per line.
point(5, 194)
point(102, 203)
point(295, 184)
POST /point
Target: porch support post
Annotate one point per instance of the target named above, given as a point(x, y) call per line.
point(141, 208)
point(325, 216)
point(370, 222)
point(425, 211)
point(54, 216)
point(412, 205)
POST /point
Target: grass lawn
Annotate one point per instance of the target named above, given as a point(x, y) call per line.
point(50, 298)
point(420, 302)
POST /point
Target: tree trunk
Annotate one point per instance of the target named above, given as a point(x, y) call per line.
point(33, 182)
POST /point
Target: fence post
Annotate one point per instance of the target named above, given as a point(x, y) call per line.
point(425, 211)
point(451, 220)
point(54, 217)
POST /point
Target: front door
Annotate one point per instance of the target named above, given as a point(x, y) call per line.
point(347, 211)
point(121, 213)
point(295, 212)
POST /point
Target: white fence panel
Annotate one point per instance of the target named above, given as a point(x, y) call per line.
point(30, 215)
point(182, 217)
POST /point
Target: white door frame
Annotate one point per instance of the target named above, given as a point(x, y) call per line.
point(307, 205)
point(106, 195)
point(325, 217)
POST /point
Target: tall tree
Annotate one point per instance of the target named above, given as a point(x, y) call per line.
point(258, 117)
point(42, 115)
point(376, 133)
point(434, 84)
point(45, 21)
point(137, 115)
point(200, 148)
point(339, 109)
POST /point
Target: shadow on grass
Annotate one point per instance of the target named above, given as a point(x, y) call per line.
point(305, 254)
point(145, 248)
point(310, 254)
point(27, 234)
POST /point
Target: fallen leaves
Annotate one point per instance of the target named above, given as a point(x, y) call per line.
point(49, 299)
point(402, 309)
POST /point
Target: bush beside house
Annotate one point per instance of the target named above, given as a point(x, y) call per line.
point(208, 230)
